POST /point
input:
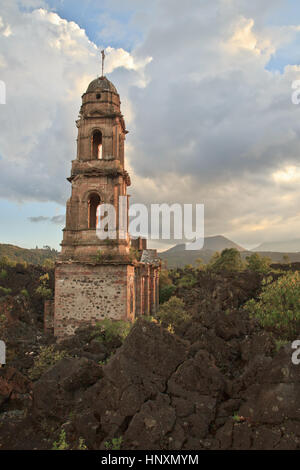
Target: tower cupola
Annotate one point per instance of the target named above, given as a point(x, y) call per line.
point(101, 126)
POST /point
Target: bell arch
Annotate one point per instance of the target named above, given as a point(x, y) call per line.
point(94, 202)
point(97, 145)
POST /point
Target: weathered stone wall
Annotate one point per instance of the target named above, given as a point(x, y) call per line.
point(87, 293)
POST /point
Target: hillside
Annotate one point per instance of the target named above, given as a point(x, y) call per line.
point(31, 256)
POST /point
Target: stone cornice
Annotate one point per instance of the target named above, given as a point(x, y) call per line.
point(96, 172)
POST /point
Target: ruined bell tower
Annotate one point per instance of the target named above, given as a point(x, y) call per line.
point(98, 175)
point(100, 278)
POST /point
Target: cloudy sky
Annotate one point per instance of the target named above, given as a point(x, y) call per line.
point(206, 89)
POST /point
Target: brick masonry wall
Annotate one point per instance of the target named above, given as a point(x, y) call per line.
point(86, 293)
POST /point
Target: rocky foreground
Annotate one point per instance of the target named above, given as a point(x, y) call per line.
point(219, 382)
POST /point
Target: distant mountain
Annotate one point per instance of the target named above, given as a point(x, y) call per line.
point(219, 243)
point(291, 246)
point(31, 256)
point(216, 243)
point(178, 256)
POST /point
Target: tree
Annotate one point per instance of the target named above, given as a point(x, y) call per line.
point(278, 306)
point(229, 260)
point(213, 259)
point(258, 264)
point(166, 287)
point(173, 312)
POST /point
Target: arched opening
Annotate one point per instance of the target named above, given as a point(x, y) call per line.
point(97, 145)
point(94, 202)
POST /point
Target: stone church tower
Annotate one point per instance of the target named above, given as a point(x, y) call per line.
point(98, 174)
point(94, 278)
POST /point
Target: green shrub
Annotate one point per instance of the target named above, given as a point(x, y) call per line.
point(44, 279)
point(278, 306)
point(110, 330)
point(114, 444)
point(5, 291)
point(258, 264)
point(229, 260)
point(25, 293)
point(44, 292)
point(3, 274)
point(47, 358)
point(82, 445)
point(173, 312)
point(61, 444)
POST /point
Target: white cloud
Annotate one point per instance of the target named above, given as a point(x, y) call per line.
point(5, 29)
point(47, 63)
point(290, 174)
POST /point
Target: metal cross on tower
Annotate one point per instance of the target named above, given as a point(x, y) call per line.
point(103, 57)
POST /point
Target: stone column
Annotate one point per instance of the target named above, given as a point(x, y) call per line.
point(147, 293)
point(157, 288)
